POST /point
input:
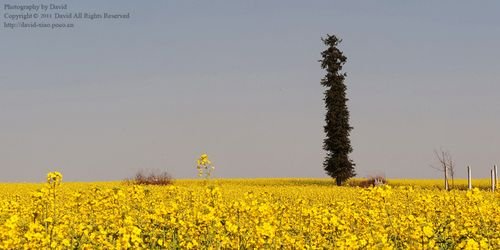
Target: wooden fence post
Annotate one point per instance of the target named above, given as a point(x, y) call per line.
point(496, 175)
point(492, 181)
point(469, 177)
point(445, 178)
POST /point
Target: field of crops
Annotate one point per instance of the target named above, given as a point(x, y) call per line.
point(246, 214)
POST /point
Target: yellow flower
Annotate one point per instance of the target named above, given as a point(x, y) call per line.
point(246, 213)
point(428, 231)
point(54, 178)
point(204, 166)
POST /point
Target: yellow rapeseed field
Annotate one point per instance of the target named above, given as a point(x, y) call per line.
point(245, 214)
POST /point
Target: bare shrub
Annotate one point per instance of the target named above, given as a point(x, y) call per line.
point(446, 165)
point(151, 177)
point(370, 182)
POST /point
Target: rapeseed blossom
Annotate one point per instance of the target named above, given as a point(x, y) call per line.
point(244, 214)
point(204, 166)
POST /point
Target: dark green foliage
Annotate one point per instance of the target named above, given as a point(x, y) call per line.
point(337, 143)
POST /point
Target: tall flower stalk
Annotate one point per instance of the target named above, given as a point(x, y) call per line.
point(204, 166)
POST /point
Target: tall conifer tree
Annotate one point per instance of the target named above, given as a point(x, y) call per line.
point(337, 143)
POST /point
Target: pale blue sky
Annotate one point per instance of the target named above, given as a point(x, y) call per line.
point(241, 81)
